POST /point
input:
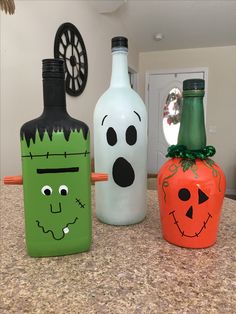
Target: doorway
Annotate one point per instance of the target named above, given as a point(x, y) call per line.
point(163, 98)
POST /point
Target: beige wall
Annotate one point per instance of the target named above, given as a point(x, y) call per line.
point(221, 100)
point(28, 37)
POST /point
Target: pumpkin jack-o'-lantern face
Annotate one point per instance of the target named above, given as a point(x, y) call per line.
point(190, 200)
point(190, 214)
point(193, 219)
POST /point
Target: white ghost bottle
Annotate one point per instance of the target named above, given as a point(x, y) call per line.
point(120, 146)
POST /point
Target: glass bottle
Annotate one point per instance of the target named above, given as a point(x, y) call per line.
point(192, 132)
point(120, 145)
point(191, 186)
point(56, 174)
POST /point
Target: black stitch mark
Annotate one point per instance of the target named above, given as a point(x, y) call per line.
point(176, 222)
point(65, 154)
point(50, 231)
point(55, 155)
point(104, 119)
point(182, 232)
point(138, 116)
point(79, 202)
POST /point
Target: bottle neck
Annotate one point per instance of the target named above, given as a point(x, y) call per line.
point(192, 131)
point(54, 96)
point(119, 75)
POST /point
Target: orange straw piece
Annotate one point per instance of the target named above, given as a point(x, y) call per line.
point(13, 180)
point(99, 177)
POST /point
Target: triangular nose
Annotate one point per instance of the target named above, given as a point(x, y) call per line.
point(189, 213)
point(202, 197)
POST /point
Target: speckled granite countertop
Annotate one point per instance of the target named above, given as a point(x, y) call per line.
point(128, 270)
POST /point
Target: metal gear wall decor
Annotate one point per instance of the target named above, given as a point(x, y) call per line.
point(69, 45)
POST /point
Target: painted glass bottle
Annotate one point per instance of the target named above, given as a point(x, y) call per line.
point(56, 174)
point(191, 186)
point(120, 144)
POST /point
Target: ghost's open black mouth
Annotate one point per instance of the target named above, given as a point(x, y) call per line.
point(123, 172)
point(196, 233)
point(64, 230)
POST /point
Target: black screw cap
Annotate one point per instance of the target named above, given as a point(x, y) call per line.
point(119, 41)
point(194, 84)
point(53, 68)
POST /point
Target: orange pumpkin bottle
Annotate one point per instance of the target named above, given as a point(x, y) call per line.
point(191, 186)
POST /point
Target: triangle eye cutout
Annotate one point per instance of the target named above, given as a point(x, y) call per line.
point(202, 197)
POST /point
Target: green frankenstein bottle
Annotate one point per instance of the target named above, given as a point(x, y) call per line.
point(56, 174)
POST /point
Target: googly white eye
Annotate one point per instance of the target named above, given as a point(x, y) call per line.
point(63, 190)
point(46, 190)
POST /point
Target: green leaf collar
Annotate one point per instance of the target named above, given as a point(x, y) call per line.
point(181, 151)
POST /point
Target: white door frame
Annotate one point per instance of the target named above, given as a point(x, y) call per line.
point(173, 71)
point(134, 78)
point(177, 70)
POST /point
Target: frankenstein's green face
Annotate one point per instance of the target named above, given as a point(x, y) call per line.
point(56, 176)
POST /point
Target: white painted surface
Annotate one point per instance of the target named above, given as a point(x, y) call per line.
point(121, 202)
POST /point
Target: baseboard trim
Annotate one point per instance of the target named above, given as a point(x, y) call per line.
point(151, 175)
point(230, 191)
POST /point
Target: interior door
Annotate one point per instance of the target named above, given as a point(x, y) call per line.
point(164, 105)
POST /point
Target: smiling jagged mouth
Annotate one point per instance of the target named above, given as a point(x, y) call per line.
point(64, 230)
point(182, 232)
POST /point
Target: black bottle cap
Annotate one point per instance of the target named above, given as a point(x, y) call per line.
point(53, 68)
point(194, 84)
point(119, 41)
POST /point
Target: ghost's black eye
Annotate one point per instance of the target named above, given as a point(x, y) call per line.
point(46, 190)
point(63, 190)
point(184, 194)
point(131, 135)
point(111, 137)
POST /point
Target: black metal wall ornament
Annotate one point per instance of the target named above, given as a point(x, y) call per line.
point(69, 45)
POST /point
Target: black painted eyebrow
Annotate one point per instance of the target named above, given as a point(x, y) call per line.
point(57, 170)
point(138, 116)
point(104, 119)
point(134, 112)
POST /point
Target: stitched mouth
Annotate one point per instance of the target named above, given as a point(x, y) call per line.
point(196, 233)
point(64, 230)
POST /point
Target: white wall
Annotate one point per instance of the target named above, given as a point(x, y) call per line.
point(221, 100)
point(28, 37)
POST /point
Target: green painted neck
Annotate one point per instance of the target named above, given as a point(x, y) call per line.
point(192, 132)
